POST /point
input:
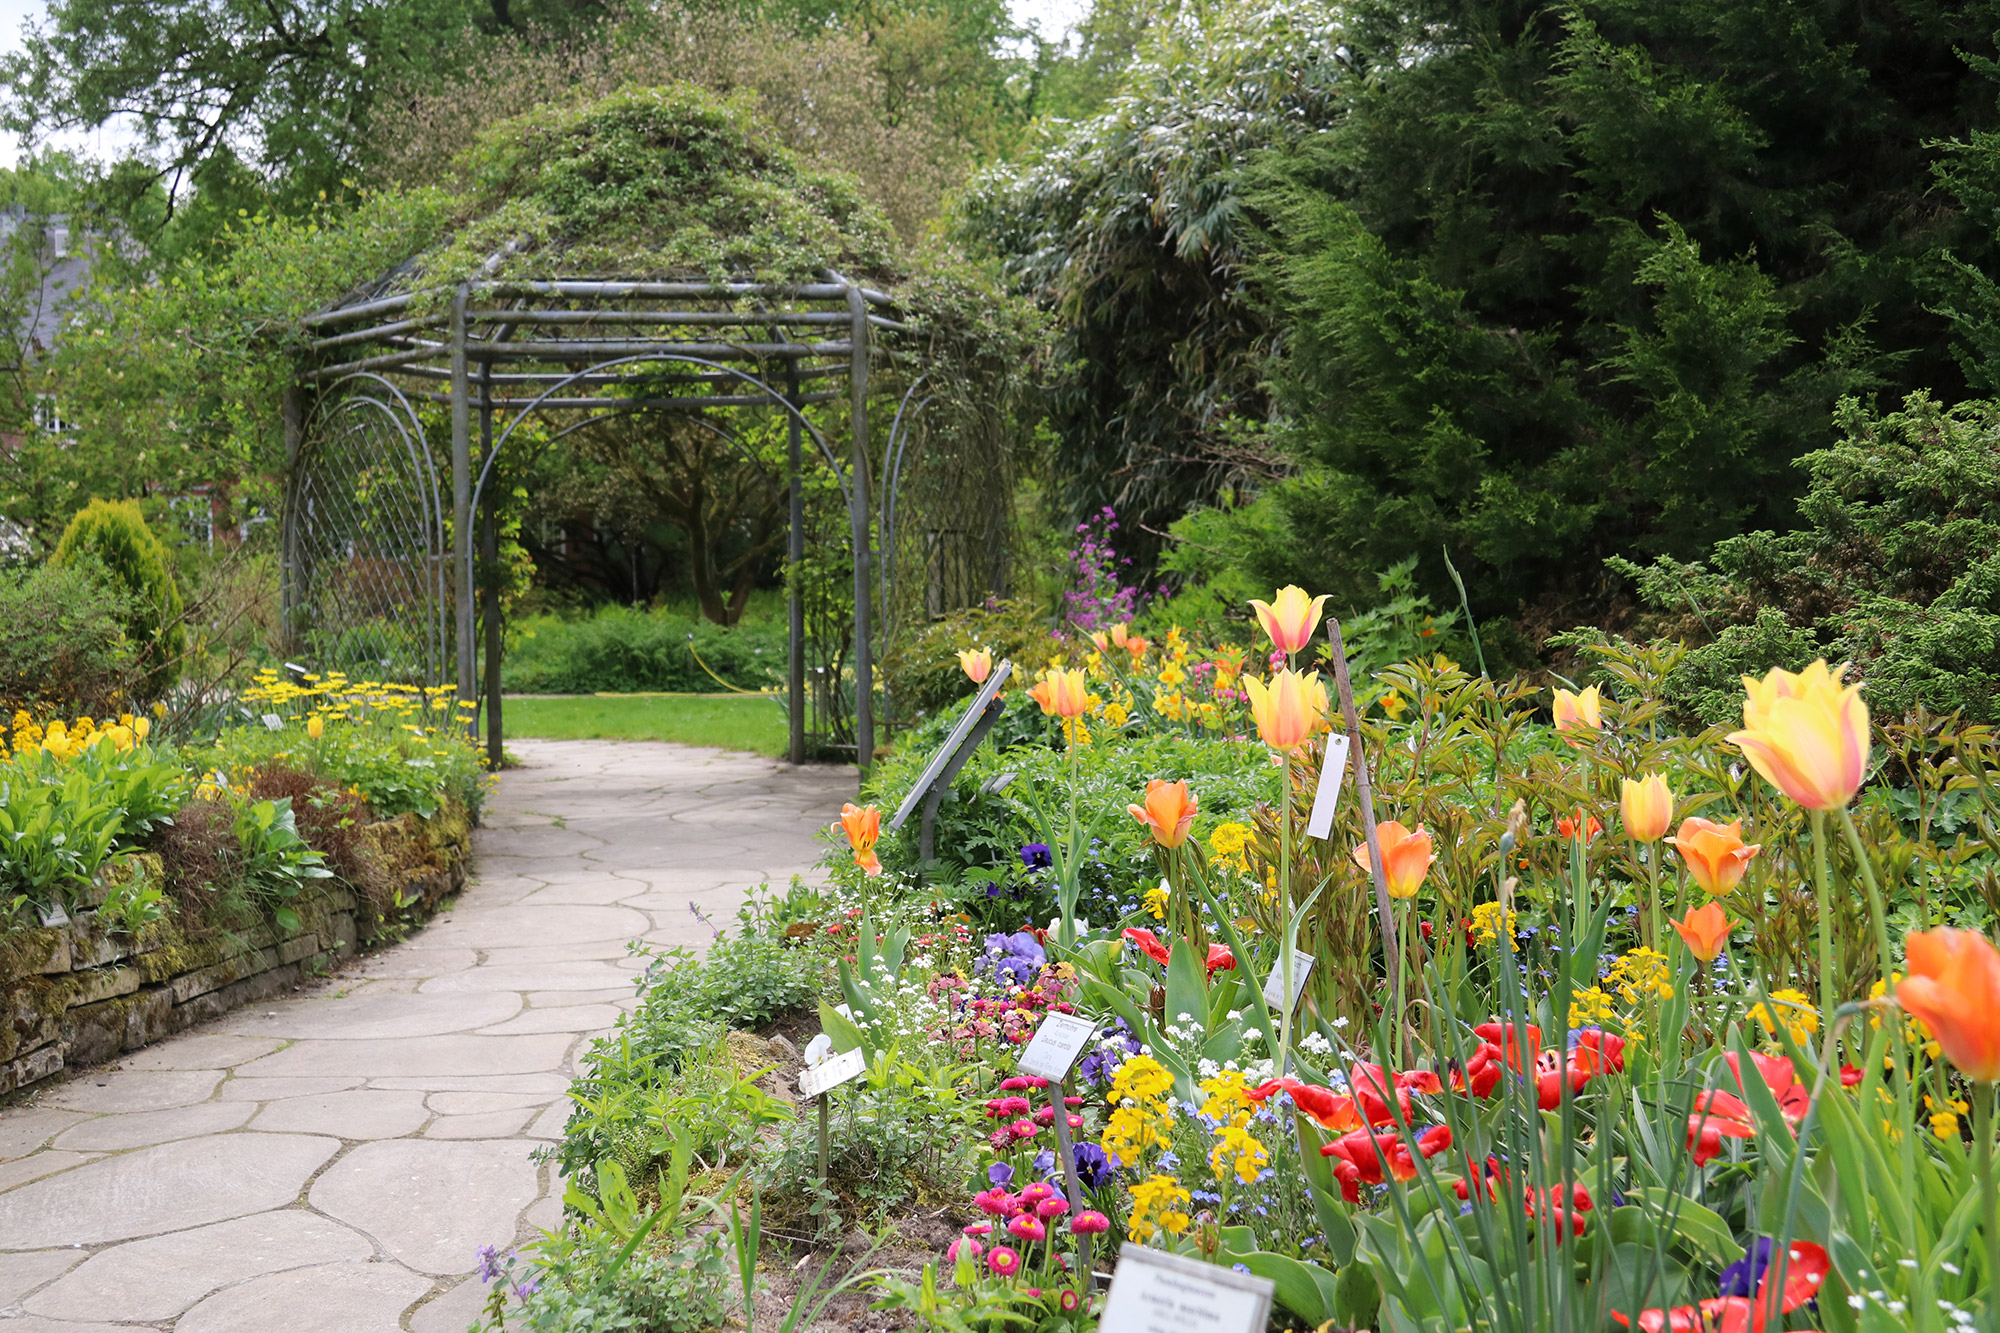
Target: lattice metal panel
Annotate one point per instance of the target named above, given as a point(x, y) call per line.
point(367, 586)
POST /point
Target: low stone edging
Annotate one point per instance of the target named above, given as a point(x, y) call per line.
point(76, 995)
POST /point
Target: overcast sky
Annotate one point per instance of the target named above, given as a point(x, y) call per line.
point(1052, 17)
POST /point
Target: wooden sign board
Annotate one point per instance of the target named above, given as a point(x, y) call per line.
point(1055, 1046)
point(830, 1073)
point(1156, 1292)
point(1274, 985)
point(1327, 796)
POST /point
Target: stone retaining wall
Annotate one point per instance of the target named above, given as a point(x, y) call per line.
point(78, 994)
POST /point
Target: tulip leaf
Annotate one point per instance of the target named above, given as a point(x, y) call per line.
point(1307, 1290)
point(1187, 993)
point(1697, 1227)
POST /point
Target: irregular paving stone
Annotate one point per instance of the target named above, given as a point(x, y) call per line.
point(558, 999)
point(332, 1298)
point(36, 1324)
point(364, 1113)
point(38, 1165)
point(529, 925)
point(254, 1089)
point(200, 1050)
point(374, 1015)
point(534, 977)
point(26, 1128)
point(573, 1018)
point(431, 1205)
point(139, 1129)
point(22, 1273)
point(609, 951)
point(549, 1124)
point(416, 960)
point(408, 1056)
point(453, 1312)
point(491, 1125)
point(164, 1188)
point(138, 1090)
point(550, 1085)
point(160, 1277)
point(479, 1103)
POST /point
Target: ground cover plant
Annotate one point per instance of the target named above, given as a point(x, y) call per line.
point(1607, 1022)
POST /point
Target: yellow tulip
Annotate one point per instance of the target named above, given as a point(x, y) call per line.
point(1290, 617)
point(1287, 708)
point(1063, 693)
point(977, 664)
point(1807, 734)
point(315, 726)
point(1647, 807)
point(1579, 710)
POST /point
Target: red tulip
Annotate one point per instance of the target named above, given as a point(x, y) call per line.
point(1149, 944)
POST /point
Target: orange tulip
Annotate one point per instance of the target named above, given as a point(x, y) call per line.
point(1714, 853)
point(1169, 811)
point(1100, 640)
point(1647, 808)
point(1567, 826)
point(1705, 930)
point(1406, 857)
point(1063, 693)
point(863, 825)
point(1287, 708)
point(977, 663)
point(1579, 711)
point(1137, 646)
point(1806, 734)
point(1954, 990)
point(1290, 617)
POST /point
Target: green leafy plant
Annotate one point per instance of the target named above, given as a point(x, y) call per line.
point(272, 858)
point(114, 535)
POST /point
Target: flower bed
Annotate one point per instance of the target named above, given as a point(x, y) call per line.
point(1600, 1025)
point(147, 887)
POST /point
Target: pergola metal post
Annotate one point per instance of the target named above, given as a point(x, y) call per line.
point(490, 556)
point(288, 533)
point(858, 515)
point(795, 554)
point(461, 495)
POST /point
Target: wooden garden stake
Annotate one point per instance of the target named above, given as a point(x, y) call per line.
point(825, 1136)
point(1384, 912)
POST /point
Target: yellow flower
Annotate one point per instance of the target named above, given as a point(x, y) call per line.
point(1945, 1125)
point(1490, 921)
point(1227, 1099)
point(315, 726)
point(1171, 675)
point(1235, 1150)
point(1156, 900)
point(1141, 1078)
point(1795, 1011)
point(1641, 972)
point(1158, 1204)
point(1590, 1007)
point(1579, 710)
point(1806, 734)
point(1392, 704)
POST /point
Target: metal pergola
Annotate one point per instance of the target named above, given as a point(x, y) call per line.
point(496, 352)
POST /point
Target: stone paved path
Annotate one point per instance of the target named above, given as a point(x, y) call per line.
point(332, 1162)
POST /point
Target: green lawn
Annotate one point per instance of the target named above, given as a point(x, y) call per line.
point(728, 721)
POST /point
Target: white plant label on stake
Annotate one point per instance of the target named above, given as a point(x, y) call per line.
point(830, 1073)
point(1156, 1292)
point(1274, 985)
point(1327, 797)
point(1055, 1046)
point(273, 722)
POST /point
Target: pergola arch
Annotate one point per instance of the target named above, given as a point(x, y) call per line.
point(488, 354)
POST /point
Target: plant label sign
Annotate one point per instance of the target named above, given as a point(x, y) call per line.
point(1156, 1292)
point(830, 1073)
point(1274, 985)
point(1327, 796)
point(1055, 1046)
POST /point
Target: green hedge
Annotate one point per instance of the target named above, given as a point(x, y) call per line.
point(622, 649)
